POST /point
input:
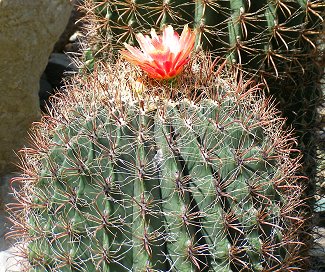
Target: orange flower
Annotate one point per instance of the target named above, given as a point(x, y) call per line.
point(162, 57)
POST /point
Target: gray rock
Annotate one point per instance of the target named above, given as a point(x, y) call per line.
point(28, 31)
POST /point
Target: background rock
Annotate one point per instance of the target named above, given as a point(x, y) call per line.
point(28, 32)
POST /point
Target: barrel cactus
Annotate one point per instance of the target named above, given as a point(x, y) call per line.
point(193, 174)
point(269, 36)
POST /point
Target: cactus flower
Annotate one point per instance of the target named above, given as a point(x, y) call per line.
point(162, 56)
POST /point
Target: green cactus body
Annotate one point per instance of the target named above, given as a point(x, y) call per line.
point(269, 36)
point(118, 184)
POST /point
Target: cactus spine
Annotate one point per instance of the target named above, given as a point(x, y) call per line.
point(198, 183)
point(268, 36)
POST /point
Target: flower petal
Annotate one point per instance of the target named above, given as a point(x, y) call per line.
point(145, 43)
point(154, 34)
point(133, 53)
point(160, 56)
point(171, 39)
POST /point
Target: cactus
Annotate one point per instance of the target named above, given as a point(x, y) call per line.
point(134, 181)
point(268, 36)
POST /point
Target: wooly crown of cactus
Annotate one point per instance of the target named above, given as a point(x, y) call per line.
point(122, 179)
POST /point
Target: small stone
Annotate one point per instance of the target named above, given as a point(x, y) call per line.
point(75, 36)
